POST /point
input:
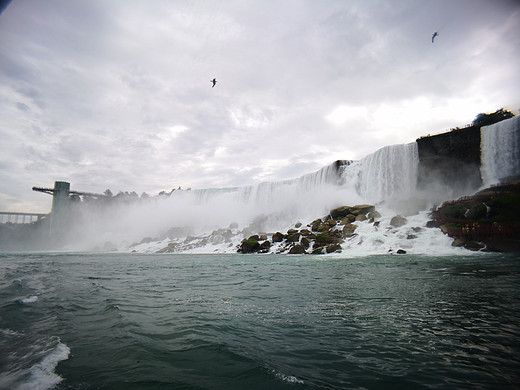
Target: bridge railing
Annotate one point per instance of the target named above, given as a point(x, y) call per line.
point(20, 218)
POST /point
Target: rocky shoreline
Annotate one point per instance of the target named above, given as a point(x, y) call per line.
point(321, 236)
point(486, 221)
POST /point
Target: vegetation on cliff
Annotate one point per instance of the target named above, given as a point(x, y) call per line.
point(488, 220)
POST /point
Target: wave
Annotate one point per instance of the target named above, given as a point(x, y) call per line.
point(31, 363)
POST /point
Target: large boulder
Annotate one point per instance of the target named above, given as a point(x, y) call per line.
point(340, 212)
point(326, 225)
point(278, 237)
point(362, 209)
point(296, 250)
point(488, 220)
point(398, 221)
point(249, 245)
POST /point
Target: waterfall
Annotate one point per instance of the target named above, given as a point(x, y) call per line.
point(500, 148)
point(390, 173)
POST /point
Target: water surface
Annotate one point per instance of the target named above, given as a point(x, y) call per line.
point(135, 321)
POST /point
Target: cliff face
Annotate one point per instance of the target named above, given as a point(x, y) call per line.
point(451, 158)
point(488, 220)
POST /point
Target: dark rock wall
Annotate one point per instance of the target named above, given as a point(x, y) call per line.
point(451, 158)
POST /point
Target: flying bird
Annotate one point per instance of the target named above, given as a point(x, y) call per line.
point(214, 81)
point(434, 35)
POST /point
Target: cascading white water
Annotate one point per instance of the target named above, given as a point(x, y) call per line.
point(500, 148)
point(390, 173)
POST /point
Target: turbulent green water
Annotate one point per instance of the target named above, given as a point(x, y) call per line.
point(128, 321)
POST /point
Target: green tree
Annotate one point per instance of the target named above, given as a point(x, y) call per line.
point(489, 119)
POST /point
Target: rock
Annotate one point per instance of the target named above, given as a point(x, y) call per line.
point(458, 242)
point(411, 237)
point(398, 221)
point(326, 225)
point(361, 217)
point(170, 248)
point(362, 209)
point(249, 245)
point(348, 229)
point(374, 214)
point(504, 245)
point(474, 245)
point(476, 211)
point(401, 252)
point(348, 219)
point(291, 231)
point(297, 250)
point(263, 237)
point(432, 224)
point(317, 250)
point(333, 248)
point(298, 225)
point(488, 217)
point(314, 225)
point(340, 212)
point(278, 237)
point(294, 237)
point(264, 247)
point(305, 242)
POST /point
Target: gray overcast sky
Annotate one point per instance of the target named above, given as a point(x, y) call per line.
point(117, 94)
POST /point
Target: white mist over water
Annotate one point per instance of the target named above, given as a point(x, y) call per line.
point(386, 178)
point(500, 147)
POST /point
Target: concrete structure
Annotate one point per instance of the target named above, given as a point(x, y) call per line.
point(14, 217)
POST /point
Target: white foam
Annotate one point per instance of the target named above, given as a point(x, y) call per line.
point(31, 299)
point(41, 376)
point(413, 237)
point(287, 378)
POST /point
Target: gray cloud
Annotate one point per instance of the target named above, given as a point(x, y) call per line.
point(117, 94)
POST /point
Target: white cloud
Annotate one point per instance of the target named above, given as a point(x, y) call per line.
point(117, 94)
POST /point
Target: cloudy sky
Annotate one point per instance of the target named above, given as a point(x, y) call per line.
point(117, 94)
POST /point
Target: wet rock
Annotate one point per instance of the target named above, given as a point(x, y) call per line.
point(348, 230)
point(278, 237)
point(348, 219)
point(326, 225)
point(318, 250)
point(474, 245)
point(333, 248)
point(398, 221)
point(374, 214)
point(362, 209)
point(296, 250)
point(340, 212)
point(264, 247)
point(401, 252)
point(293, 237)
point(432, 224)
point(314, 225)
point(250, 245)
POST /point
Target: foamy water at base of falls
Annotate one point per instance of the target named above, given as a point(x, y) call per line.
point(386, 179)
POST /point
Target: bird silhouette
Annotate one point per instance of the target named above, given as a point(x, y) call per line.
point(434, 35)
point(214, 81)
